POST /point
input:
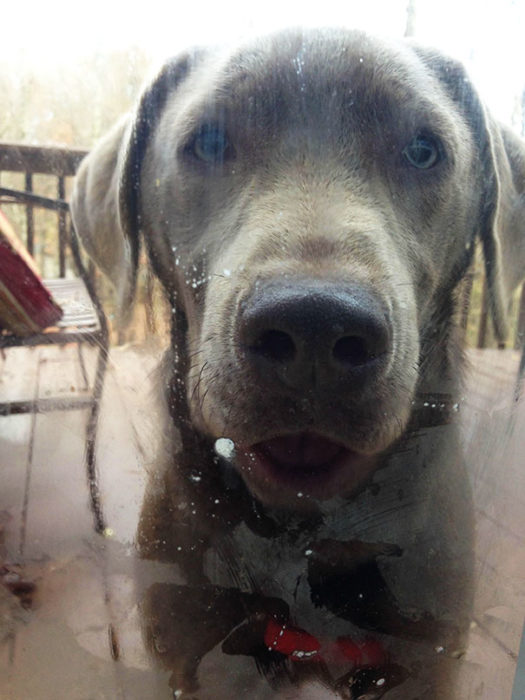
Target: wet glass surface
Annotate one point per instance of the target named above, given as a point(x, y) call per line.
point(303, 486)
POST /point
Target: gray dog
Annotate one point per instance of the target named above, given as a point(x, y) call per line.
point(311, 203)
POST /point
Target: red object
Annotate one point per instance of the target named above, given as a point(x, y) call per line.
point(26, 307)
point(367, 652)
point(291, 641)
point(299, 645)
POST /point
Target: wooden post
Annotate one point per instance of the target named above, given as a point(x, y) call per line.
point(483, 315)
point(30, 225)
point(520, 332)
point(62, 229)
point(151, 322)
point(464, 301)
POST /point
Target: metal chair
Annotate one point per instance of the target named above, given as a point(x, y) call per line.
point(83, 322)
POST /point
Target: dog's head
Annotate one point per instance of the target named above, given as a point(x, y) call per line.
point(310, 203)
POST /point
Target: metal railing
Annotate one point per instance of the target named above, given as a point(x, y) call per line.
point(60, 163)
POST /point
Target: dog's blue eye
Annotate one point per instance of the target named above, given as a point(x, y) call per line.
point(211, 144)
point(423, 152)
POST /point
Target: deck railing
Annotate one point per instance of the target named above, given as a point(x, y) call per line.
point(29, 161)
point(60, 164)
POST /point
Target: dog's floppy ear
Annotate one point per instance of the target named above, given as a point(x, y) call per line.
point(503, 235)
point(501, 225)
point(95, 211)
point(105, 200)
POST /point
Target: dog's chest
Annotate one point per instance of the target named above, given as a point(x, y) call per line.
point(294, 563)
point(276, 567)
point(391, 543)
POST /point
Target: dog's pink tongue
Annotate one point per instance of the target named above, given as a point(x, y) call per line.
point(302, 450)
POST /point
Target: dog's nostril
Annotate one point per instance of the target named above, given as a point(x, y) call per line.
point(275, 345)
point(351, 350)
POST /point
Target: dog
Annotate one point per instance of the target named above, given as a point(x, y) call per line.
point(311, 202)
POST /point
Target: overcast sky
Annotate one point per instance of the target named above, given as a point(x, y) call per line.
point(487, 35)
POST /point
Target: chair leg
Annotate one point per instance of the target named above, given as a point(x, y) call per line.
point(91, 437)
point(91, 431)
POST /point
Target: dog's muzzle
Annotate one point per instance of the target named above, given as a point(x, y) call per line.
point(310, 341)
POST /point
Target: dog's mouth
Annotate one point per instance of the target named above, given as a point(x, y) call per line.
point(301, 454)
point(306, 463)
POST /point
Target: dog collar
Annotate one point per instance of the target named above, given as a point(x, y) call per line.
point(433, 409)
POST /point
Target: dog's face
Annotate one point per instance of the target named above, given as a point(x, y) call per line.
point(310, 202)
point(312, 197)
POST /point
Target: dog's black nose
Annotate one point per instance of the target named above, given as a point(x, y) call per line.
point(313, 333)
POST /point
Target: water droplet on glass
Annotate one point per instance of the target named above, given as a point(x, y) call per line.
point(224, 448)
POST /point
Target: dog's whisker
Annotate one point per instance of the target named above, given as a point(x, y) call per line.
point(199, 380)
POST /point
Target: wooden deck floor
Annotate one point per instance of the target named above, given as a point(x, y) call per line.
point(81, 639)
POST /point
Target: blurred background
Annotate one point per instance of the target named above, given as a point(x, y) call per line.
point(68, 70)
